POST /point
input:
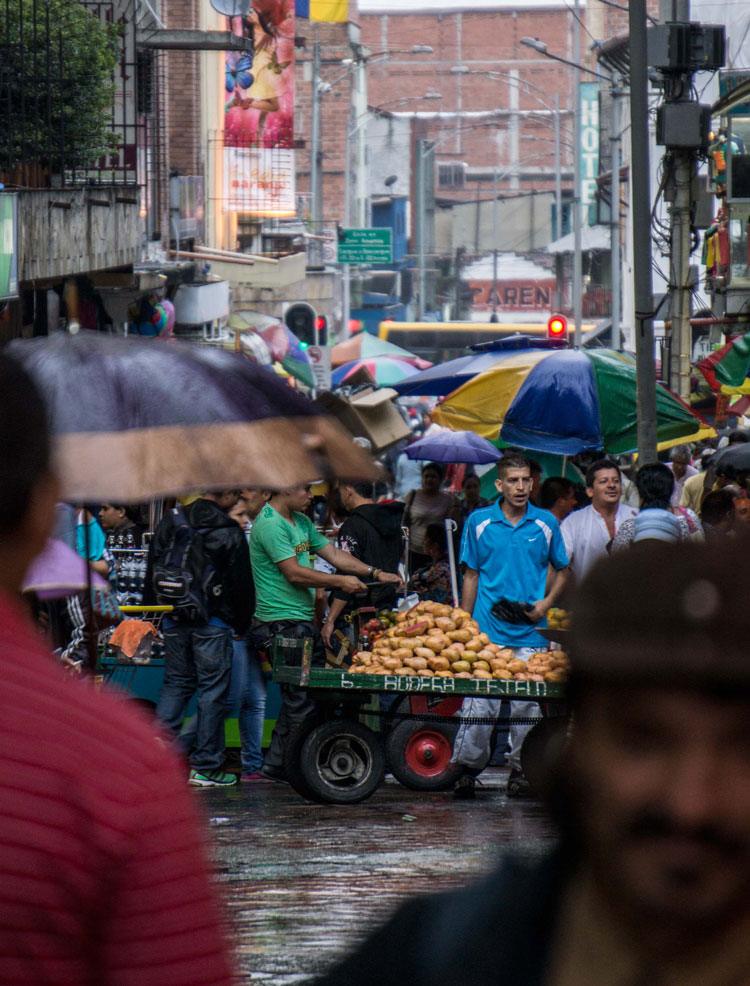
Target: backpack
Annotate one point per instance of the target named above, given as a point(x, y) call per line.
point(184, 576)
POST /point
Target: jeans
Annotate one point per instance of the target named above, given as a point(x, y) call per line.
point(197, 658)
point(472, 746)
point(247, 701)
point(296, 704)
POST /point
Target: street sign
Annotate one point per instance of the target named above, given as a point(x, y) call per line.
point(365, 246)
point(8, 245)
point(320, 361)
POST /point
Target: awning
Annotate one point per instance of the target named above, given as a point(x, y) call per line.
point(592, 238)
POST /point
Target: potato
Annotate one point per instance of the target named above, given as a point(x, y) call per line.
point(417, 663)
point(555, 676)
point(391, 663)
point(536, 677)
point(363, 657)
point(415, 629)
point(402, 653)
point(502, 674)
point(484, 638)
point(506, 652)
point(445, 623)
point(498, 664)
point(435, 644)
point(400, 617)
point(461, 666)
point(462, 674)
point(424, 652)
point(480, 666)
point(444, 674)
point(439, 664)
point(520, 676)
point(516, 665)
point(450, 654)
point(408, 671)
point(463, 636)
point(377, 669)
point(425, 673)
point(458, 646)
point(475, 644)
point(469, 655)
point(480, 673)
point(442, 610)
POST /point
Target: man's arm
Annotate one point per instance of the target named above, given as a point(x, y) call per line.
point(298, 574)
point(469, 589)
point(348, 563)
point(558, 583)
point(336, 609)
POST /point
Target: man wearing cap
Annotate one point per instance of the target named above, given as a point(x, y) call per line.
point(650, 881)
point(679, 464)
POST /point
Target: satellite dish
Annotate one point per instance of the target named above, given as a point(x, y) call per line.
point(390, 180)
point(231, 8)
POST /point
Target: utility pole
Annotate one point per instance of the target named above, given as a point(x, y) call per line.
point(641, 212)
point(577, 258)
point(494, 246)
point(558, 176)
point(423, 149)
point(614, 143)
point(316, 185)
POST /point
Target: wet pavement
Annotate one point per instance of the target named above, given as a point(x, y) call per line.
point(305, 882)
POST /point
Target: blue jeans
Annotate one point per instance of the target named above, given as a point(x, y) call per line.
point(197, 659)
point(247, 701)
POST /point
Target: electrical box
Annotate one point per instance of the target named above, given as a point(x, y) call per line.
point(686, 47)
point(683, 125)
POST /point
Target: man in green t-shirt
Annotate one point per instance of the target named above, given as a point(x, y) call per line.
point(281, 542)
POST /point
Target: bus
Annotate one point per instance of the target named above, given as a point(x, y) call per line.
point(441, 341)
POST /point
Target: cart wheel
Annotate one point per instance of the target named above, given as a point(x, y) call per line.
point(293, 752)
point(342, 762)
point(542, 751)
point(419, 755)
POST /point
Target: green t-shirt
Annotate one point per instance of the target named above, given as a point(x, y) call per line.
point(272, 540)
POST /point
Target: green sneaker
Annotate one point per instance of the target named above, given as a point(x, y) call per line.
point(211, 778)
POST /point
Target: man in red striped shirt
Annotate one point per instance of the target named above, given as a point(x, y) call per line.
point(103, 876)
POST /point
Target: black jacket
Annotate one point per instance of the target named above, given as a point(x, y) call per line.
point(372, 533)
point(498, 932)
point(228, 551)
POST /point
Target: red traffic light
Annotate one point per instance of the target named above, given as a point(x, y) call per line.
point(320, 323)
point(557, 327)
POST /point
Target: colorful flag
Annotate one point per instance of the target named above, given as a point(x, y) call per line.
point(728, 366)
point(331, 11)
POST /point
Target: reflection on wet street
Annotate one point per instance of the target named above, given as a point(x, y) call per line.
point(304, 882)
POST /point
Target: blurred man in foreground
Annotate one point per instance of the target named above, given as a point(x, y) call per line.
point(650, 883)
point(102, 871)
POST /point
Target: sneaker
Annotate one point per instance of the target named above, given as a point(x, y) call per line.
point(518, 786)
point(465, 788)
point(211, 778)
point(255, 776)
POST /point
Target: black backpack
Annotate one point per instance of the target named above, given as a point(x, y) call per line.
point(184, 576)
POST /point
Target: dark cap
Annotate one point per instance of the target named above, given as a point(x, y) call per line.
point(666, 612)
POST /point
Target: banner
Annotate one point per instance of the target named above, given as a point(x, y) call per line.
point(259, 181)
point(259, 111)
point(589, 150)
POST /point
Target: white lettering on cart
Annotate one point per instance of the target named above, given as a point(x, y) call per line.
point(346, 681)
point(391, 683)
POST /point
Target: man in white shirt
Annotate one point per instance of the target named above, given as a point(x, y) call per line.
point(679, 464)
point(587, 532)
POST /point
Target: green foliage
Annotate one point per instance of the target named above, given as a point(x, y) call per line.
point(57, 64)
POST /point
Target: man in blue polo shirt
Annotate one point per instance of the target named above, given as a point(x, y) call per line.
point(508, 549)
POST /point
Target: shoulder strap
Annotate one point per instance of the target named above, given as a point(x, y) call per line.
point(409, 501)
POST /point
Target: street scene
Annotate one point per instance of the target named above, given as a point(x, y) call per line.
point(374, 492)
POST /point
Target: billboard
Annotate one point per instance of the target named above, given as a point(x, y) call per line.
point(259, 112)
point(589, 149)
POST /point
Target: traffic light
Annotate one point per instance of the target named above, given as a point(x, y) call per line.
point(557, 327)
point(321, 327)
point(300, 319)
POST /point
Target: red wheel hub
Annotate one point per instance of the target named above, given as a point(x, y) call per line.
point(428, 753)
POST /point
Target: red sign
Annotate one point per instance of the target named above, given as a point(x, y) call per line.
point(514, 296)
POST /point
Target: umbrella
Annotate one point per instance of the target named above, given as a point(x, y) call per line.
point(454, 446)
point(59, 571)
point(444, 378)
point(384, 370)
point(135, 420)
point(363, 345)
point(736, 457)
point(565, 401)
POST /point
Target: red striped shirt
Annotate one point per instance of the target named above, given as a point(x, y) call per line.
point(103, 876)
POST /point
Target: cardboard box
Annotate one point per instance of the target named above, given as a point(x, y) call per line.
point(370, 414)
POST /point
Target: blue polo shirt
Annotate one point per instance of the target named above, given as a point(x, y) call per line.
point(512, 563)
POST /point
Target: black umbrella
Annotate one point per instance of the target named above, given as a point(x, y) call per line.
point(135, 419)
point(735, 458)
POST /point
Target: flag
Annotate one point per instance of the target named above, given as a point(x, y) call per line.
point(729, 366)
point(331, 11)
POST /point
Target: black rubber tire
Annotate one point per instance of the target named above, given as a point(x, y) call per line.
point(418, 754)
point(293, 752)
point(342, 762)
point(542, 751)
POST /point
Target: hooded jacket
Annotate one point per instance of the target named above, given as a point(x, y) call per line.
point(372, 533)
point(227, 549)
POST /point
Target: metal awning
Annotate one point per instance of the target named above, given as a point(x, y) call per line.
point(184, 40)
point(592, 238)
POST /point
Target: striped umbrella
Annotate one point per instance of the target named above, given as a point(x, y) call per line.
point(137, 419)
point(384, 370)
point(565, 401)
point(364, 345)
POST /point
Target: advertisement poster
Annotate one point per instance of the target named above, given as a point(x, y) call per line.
point(259, 181)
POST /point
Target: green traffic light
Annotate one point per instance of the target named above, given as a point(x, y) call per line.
point(304, 345)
